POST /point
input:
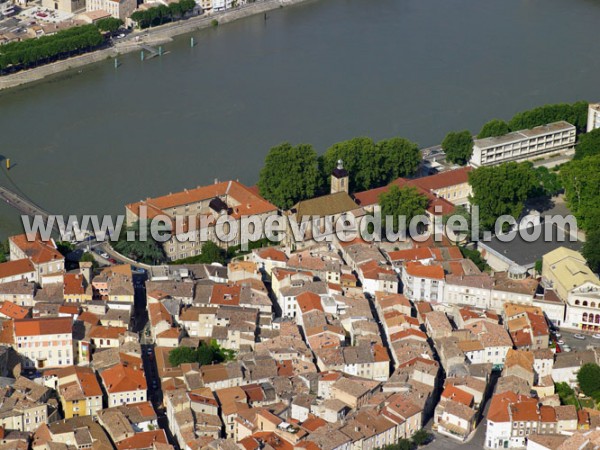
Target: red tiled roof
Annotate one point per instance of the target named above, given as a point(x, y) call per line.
point(309, 301)
point(248, 201)
point(412, 254)
point(37, 251)
point(43, 326)
point(272, 254)
point(444, 179)
point(458, 395)
point(416, 269)
point(73, 284)
point(143, 440)
point(121, 378)
point(14, 268)
point(13, 311)
point(224, 294)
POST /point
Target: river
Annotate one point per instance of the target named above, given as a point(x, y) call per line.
point(321, 72)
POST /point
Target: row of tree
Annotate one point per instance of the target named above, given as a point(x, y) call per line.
point(581, 179)
point(158, 15)
point(458, 145)
point(45, 49)
point(294, 173)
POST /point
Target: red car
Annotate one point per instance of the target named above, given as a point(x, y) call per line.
point(112, 260)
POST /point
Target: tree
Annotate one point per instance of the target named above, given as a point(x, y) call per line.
point(589, 379)
point(581, 179)
point(402, 202)
point(401, 158)
point(352, 153)
point(538, 266)
point(204, 355)
point(458, 146)
point(500, 190)
point(591, 248)
point(493, 128)
point(64, 247)
point(474, 256)
point(371, 165)
point(88, 257)
point(290, 174)
point(211, 253)
point(548, 183)
point(110, 24)
point(148, 250)
point(422, 437)
point(4, 251)
point(575, 114)
point(588, 145)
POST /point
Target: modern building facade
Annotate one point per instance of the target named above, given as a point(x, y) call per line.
point(557, 137)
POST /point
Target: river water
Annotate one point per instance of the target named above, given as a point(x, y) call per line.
point(321, 72)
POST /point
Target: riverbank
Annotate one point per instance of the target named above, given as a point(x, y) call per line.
point(150, 36)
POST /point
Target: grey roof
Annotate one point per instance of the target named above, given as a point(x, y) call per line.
point(525, 254)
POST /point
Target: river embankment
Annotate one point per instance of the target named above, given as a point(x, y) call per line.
point(151, 36)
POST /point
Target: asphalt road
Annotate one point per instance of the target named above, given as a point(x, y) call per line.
point(578, 344)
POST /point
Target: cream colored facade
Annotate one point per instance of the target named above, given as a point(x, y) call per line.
point(557, 137)
point(68, 6)
point(119, 9)
point(25, 418)
point(567, 273)
point(593, 121)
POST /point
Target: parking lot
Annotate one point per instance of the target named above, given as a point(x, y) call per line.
point(577, 344)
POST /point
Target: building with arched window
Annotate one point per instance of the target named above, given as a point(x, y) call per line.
point(566, 272)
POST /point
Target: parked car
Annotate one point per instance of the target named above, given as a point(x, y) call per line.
point(566, 349)
point(112, 260)
point(558, 335)
point(104, 255)
point(581, 337)
point(560, 342)
point(596, 336)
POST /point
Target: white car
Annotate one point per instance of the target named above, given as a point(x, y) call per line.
point(558, 335)
point(560, 342)
point(566, 348)
point(104, 255)
point(581, 337)
point(596, 336)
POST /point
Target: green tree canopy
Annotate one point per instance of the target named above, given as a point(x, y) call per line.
point(575, 114)
point(591, 247)
point(500, 190)
point(352, 153)
point(404, 201)
point(147, 251)
point(290, 174)
point(548, 183)
point(589, 379)
point(581, 179)
point(110, 24)
point(204, 355)
point(588, 145)
point(211, 253)
point(493, 128)
point(88, 257)
point(458, 146)
point(372, 165)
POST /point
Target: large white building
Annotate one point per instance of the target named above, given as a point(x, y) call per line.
point(566, 272)
point(593, 121)
point(44, 343)
point(557, 137)
point(423, 282)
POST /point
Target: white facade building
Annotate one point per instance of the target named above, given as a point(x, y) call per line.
point(557, 137)
point(44, 343)
point(593, 121)
point(423, 282)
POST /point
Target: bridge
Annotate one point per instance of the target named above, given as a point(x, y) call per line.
point(23, 204)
